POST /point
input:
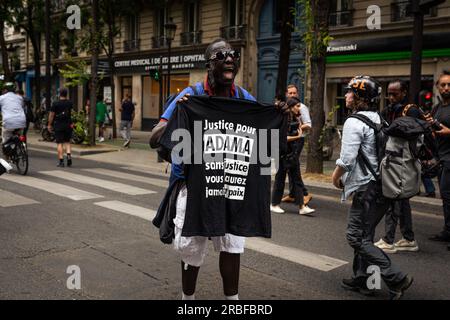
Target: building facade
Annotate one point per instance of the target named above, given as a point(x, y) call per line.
point(383, 53)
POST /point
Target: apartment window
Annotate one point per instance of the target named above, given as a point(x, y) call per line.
point(278, 15)
point(235, 9)
point(341, 13)
point(132, 42)
point(161, 20)
point(401, 10)
point(234, 28)
point(191, 34)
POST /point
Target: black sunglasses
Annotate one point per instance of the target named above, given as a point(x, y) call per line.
point(223, 54)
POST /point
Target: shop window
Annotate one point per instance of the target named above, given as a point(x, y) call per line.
point(191, 34)
point(341, 13)
point(127, 87)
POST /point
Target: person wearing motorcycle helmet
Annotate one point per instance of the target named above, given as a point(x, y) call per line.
point(13, 115)
point(368, 207)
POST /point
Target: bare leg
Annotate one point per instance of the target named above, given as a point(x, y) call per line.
point(189, 278)
point(229, 264)
point(59, 147)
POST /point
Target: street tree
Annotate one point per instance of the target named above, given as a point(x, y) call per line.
point(6, 16)
point(316, 38)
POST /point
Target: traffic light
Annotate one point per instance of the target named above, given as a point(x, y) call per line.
point(426, 100)
point(155, 75)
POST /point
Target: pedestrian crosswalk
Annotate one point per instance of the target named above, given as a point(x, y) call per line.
point(74, 185)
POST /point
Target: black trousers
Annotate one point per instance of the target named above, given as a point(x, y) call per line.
point(444, 186)
point(365, 213)
point(399, 212)
point(301, 144)
point(279, 183)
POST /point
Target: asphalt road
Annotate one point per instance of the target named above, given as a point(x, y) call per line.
point(103, 227)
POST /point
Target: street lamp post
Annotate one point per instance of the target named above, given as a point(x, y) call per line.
point(170, 28)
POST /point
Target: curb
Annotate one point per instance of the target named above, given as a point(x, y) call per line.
point(75, 150)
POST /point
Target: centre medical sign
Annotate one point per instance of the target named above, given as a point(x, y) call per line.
point(145, 63)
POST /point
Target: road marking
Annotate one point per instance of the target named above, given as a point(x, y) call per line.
point(157, 172)
point(105, 184)
point(8, 199)
point(132, 177)
point(305, 258)
point(130, 209)
point(51, 187)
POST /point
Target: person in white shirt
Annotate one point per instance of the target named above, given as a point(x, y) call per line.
point(13, 115)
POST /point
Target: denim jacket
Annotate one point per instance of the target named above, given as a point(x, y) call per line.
point(356, 134)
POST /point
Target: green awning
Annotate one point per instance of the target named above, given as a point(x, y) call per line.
point(383, 56)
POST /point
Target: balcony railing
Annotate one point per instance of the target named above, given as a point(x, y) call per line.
point(341, 18)
point(189, 38)
point(159, 42)
point(233, 32)
point(131, 45)
point(403, 11)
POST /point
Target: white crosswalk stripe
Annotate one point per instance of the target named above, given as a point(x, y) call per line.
point(127, 208)
point(51, 187)
point(305, 258)
point(132, 177)
point(9, 199)
point(105, 184)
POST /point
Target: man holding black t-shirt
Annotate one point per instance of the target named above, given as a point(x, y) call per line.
point(61, 121)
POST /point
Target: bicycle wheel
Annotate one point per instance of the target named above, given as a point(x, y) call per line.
point(21, 158)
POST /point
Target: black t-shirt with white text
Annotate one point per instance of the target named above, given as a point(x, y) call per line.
point(228, 166)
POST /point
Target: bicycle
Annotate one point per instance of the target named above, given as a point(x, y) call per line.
point(16, 150)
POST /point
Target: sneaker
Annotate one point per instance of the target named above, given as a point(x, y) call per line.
point(357, 285)
point(288, 199)
point(5, 165)
point(69, 162)
point(442, 237)
point(430, 195)
point(305, 210)
point(101, 139)
point(307, 199)
point(396, 291)
point(386, 247)
point(60, 165)
point(276, 209)
point(405, 245)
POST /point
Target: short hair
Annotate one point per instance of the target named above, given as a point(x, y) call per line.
point(403, 84)
point(209, 51)
point(21, 92)
point(445, 72)
point(291, 86)
point(63, 92)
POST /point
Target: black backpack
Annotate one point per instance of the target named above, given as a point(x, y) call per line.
point(28, 108)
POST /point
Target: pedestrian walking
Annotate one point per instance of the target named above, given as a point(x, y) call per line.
point(127, 117)
point(101, 114)
point(290, 164)
point(60, 121)
point(368, 205)
point(304, 119)
point(399, 211)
